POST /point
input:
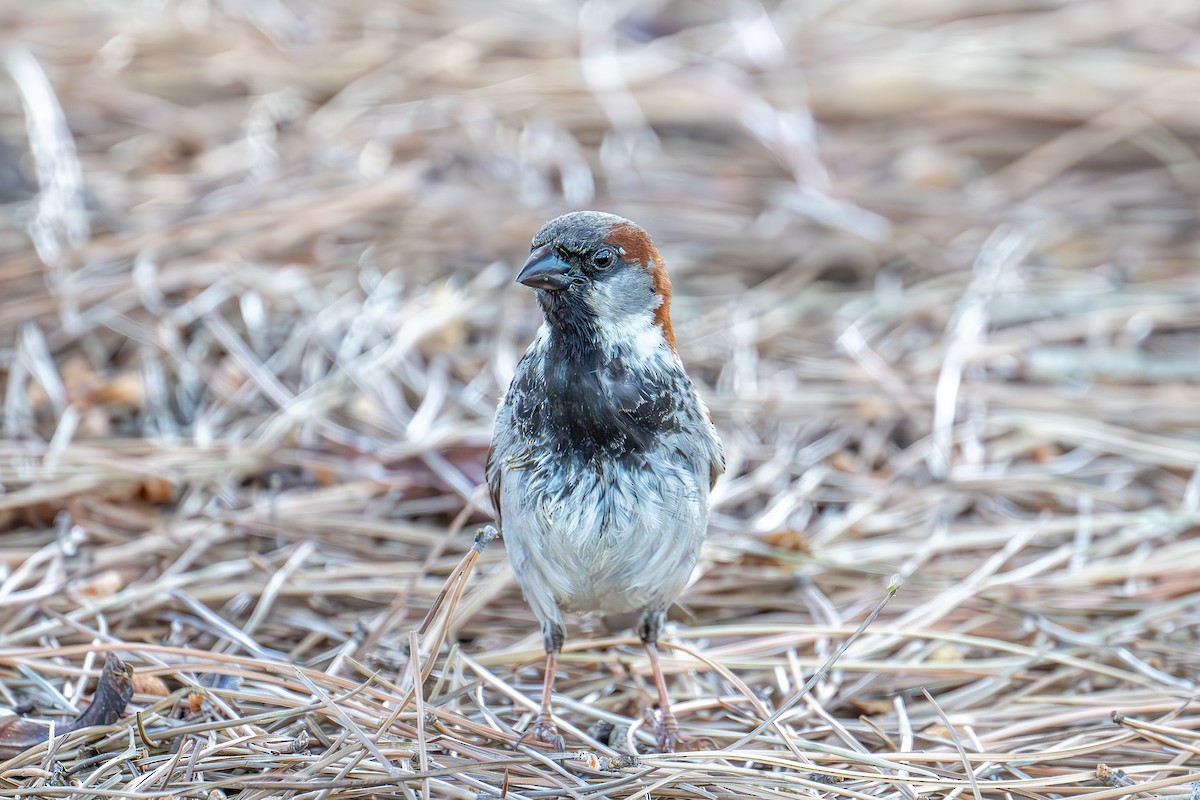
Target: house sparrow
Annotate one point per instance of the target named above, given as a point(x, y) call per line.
point(603, 455)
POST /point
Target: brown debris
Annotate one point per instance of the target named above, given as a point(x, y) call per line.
point(113, 691)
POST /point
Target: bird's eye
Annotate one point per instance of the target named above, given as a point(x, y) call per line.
point(603, 258)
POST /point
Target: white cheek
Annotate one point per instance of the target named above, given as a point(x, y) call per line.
point(605, 299)
point(623, 324)
point(649, 341)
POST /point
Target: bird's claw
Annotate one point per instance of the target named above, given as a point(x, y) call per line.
point(668, 739)
point(545, 731)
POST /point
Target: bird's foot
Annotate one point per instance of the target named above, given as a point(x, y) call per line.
point(668, 739)
point(545, 731)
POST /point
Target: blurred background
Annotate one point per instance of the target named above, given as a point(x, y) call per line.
point(935, 269)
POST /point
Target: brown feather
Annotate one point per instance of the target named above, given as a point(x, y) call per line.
point(637, 247)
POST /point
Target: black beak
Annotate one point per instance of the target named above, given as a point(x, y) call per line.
point(545, 270)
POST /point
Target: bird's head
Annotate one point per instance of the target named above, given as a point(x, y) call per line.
point(601, 272)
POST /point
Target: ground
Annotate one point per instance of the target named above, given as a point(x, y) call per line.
point(935, 270)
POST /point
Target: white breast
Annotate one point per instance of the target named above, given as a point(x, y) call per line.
point(603, 537)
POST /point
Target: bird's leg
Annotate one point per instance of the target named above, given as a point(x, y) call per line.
point(666, 727)
point(544, 729)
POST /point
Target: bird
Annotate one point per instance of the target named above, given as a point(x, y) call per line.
point(603, 454)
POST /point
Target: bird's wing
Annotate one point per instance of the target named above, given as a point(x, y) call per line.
point(493, 482)
point(710, 443)
point(698, 423)
point(506, 443)
point(494, 469)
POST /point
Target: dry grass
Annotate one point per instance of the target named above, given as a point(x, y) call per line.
point(936, 266)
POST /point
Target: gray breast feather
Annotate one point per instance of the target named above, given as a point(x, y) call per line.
point(604, 537)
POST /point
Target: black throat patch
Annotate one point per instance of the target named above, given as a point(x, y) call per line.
point(594, 406)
